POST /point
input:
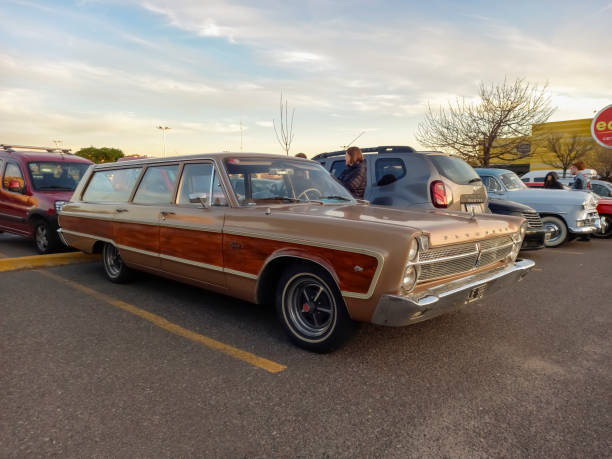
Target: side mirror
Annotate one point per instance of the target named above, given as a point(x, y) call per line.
point(15, 186)
point(201, 198)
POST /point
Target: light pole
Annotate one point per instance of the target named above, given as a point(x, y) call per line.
point(163, 129)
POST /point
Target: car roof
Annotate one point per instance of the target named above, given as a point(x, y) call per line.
point(381, 150)
point(491, 171)
point(27, 155)
point(219, 156)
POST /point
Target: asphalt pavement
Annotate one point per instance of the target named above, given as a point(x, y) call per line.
point(91, 368)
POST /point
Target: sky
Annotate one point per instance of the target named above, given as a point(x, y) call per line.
point(106, 73)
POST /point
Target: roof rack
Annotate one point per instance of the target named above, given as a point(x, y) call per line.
point(27, 147)
point(382, 149)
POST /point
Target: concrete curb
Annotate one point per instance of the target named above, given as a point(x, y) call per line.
point(41, 261)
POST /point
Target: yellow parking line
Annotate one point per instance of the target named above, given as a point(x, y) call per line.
point(40, 261)
point(239, 354)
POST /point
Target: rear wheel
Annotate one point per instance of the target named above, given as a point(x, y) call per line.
point(45, 239)
point(606, 227)
point(114, 268)
point(311, 309)
point(557, 228)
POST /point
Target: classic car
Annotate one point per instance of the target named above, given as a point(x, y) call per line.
point(536, 235)
point(604, 209)
point(601, 188)
point(325, 259)
point(565, 214)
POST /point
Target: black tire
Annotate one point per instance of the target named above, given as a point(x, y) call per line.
point(311, 309)
point(114, 267)
point(46, 239)
point(559, 228)
point(606, 227)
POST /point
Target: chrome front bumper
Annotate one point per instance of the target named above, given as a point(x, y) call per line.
point(397, 310)
point(590, 224)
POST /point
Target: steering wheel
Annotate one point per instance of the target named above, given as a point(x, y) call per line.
point(310, 190)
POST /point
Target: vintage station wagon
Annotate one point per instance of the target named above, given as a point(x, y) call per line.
point(274, 229)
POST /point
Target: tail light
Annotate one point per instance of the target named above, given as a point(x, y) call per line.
point(438, 194)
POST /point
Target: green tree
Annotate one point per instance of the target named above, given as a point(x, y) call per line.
point(100, 155)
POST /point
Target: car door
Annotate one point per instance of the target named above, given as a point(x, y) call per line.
point(190, 234)
point(14, 203)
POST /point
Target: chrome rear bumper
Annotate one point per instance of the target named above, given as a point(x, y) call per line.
point(397, 310)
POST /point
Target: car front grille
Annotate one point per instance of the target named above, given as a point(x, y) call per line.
point(533, 219)
point(454, 259)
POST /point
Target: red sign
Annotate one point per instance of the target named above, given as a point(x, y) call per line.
point(601, 127)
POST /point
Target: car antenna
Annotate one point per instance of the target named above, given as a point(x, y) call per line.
point(353, 141)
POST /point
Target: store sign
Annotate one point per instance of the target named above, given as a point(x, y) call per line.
point(601, 127)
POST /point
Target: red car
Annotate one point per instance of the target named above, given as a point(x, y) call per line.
point(604, 209)
point(36, 181)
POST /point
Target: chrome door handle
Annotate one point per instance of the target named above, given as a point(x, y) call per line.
point(165, 213)
point(121, 209)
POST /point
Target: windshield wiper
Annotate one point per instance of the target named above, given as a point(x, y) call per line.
point(339, 198)
point(476, 179)
point(279, 198)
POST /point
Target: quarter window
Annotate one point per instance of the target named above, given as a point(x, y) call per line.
point(157, 185)
point(337, 168)
point(491, 183)
point(388, 170)
point(113, 185)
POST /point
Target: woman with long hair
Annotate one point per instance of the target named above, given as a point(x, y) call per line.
point(552, 181)
point(354, 176)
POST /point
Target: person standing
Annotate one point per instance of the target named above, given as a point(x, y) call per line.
point(580, 180)
point(552, 181)
point(354, 176)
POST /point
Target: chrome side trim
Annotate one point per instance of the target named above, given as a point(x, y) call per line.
point(106, 217)
point(91, 236)
point(240, 273)
point(191, 262)
point(192, 227)
point(132, 249)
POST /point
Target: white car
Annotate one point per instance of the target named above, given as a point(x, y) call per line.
point(601, 188)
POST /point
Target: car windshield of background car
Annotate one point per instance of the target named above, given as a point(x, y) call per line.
point(512, 182)
point(455, 169)
point(264, 181)
point(56, 175)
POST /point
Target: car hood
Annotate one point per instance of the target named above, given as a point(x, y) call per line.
point(444, 227)
point(542, 195)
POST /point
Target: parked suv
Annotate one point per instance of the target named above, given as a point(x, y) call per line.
point(399, 176)
point(36, 181)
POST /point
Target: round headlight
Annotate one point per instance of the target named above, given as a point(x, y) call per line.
point(413, 250)
point(409, 278)
point(523, 230)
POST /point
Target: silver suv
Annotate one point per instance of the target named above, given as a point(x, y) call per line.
point(400, 176)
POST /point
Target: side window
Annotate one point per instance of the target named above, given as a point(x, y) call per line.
point(337, 168)
point(539, 179)
point(600, 190)
point(157, 185)
point(12, 174)
point(201, 178)
point(491, 183)
point(526, 180)
point(114, 185)
point(388, 170)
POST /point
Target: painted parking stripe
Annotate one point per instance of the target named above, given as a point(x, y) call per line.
point(42, 261)
point(255, 360)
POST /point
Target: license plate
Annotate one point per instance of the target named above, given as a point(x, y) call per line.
point(476, 208)
point(476, 293)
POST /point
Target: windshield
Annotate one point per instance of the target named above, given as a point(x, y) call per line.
point(512, 182)
point(455, 169)
point(262, 181)
point(56, 175)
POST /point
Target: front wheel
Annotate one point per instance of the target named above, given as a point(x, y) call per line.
point(557, 228)
point(114, 268)
point(45, 239)
point(606, 227)
point(311, 309)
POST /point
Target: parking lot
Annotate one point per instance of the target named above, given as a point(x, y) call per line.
point(158, 368)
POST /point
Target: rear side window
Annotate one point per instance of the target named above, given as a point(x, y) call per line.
point(455, 169)
point(13, 173)
point(157, 185)
point(388, 170)
point(337, 168)
point(113, 185)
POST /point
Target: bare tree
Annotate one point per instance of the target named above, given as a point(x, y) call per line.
point(601, 160)
point(286, 126)
point(567, 149)
point(492, 127)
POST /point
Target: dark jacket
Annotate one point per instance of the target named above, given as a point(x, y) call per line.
point(553, 182)
point(354, 179)
point(580, 182)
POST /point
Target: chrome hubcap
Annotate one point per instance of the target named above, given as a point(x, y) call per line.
point(112, 261)
point(555, 231)
point(310, 306)
point(41, 238)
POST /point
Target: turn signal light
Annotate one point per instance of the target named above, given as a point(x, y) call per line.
point(438, 194)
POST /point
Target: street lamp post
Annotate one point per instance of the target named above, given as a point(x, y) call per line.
point(163, 129)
